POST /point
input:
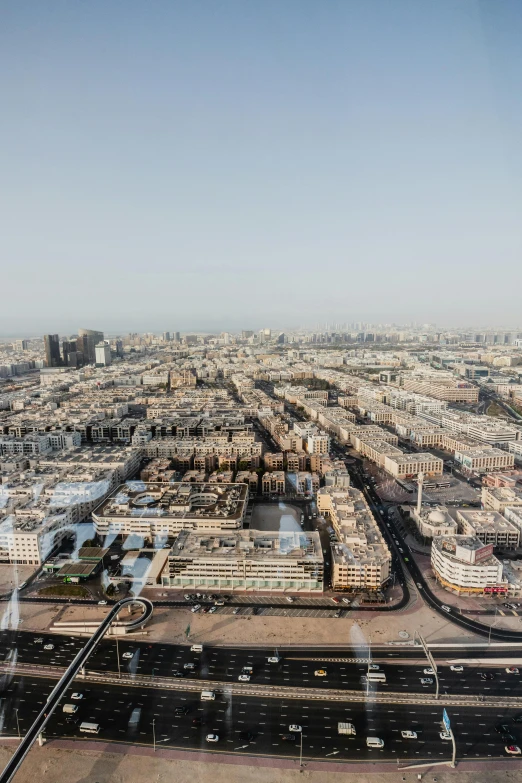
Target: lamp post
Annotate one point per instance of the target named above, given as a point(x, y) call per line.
point(154, 733)
point(301, 750)
point(18, 725)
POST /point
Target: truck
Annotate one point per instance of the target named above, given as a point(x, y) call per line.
point(346, 728)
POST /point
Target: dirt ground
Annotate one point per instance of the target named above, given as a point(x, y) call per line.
point(52, 765)
point(172, 624)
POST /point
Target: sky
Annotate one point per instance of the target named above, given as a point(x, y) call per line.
point(223, 164)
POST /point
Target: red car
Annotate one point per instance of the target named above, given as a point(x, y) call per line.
point(335, 600)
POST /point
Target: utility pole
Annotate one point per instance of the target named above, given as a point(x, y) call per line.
point(18, 725)
point(154, 733)
point(301, 751)
point(432, 663)
point(118, 658)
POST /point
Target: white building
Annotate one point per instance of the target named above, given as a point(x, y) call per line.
point(161, 510)
point(246, 560)
point(464, 564)
point(103, 354)
point(490, 527)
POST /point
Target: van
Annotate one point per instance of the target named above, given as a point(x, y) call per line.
point(196, 648)
point(374, 742)
point(70, 709)
point(376, 677)
point(90, 728)
point(208, 696)
point(24, 584)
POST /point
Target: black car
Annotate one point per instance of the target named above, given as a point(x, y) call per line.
point(181, 710)
point(502, 728)
point(178, 674)
point(198, 721)
point(288, 737)
point(247, 736)
point(487, 676)
point(517, 718)
point(254, 610)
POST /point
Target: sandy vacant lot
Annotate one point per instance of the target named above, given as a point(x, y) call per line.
point(171, 625)
point(52, 765)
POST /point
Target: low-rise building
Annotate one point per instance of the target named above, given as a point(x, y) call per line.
point(246, 560)
point(490, 527)
point(433, 522)
point(273, 483)
point(161, 510)
point(498, 498)
point(360, 556)
point(463, 564)
point(410, 465)
point(484, 460)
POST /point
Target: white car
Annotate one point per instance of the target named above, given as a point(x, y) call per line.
point(320, 673)
point(426, 681)
point(76, 696)
point(429, 670)
point(274, 659)
point(513, 750)
point(409, 734)
point(457, 668)
point(290, 599)
point(212, 738)
point(373, 667)
point(244, 678)
point(445, 608)
point(102, 603)
point(346, 601)
point(511, 670)
point(48, 646)
point(127, 655)
point(189, 667)
point(294, 728)
point(196, 608)
point(445, 735)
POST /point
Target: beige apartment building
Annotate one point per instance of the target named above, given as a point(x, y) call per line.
point(360, 556)
point(490, 527)
point(499, 498)
point(457, 391)
point(274, 483)
point(484, 460)
point(410, 465)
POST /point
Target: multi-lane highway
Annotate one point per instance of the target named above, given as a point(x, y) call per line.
point(344, 670)
point(259, 726)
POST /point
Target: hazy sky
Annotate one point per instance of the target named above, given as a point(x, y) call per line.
point(219, 164)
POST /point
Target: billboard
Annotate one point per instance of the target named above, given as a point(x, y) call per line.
point(483, 553)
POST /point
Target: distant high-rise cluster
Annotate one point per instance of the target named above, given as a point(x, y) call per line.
point(73, 353)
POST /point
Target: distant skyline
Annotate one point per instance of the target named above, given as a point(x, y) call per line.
point(218, 166)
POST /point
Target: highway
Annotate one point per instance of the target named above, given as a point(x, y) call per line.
point(138, 716)
point(404, 668)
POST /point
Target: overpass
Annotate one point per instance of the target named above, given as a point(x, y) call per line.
point(59, 690)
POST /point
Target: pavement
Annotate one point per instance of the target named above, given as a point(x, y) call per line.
point(144, 718)
point(344, 669)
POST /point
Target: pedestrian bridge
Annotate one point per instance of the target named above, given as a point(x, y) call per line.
point(77, 664)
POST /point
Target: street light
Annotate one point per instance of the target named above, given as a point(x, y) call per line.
point(491, 626)
point(18, 724)
point(301, 750)
point(154, 734)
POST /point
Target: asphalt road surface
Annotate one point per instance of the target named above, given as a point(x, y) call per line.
point(296, 668)
point(130, 715)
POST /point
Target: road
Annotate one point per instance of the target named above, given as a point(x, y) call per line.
point(404, 669)
point(131, 715)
